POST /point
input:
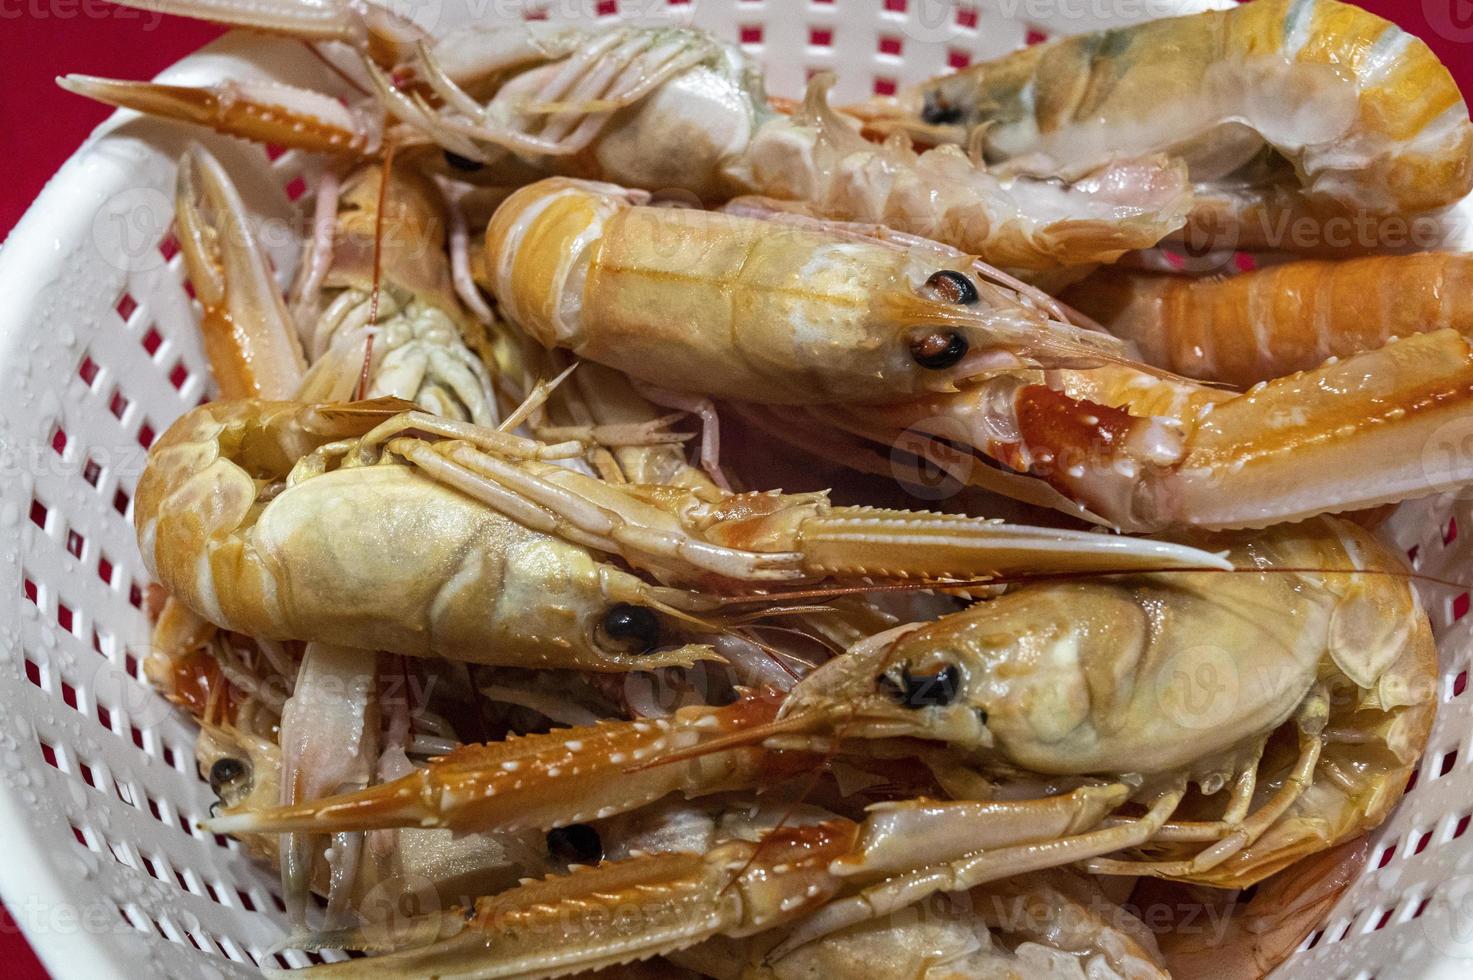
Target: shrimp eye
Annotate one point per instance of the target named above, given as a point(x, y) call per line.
point(951, 286)
point(937, 112)
point(463, 164)
point(576, 843)
point(938, 351)
point(227, 773)
point(630, 629)
point(923, 690)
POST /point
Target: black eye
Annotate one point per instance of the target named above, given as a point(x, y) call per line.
point(938, 112)
point(951, 286)
point(226, 773)
point(463, 164)
point(576, 844)
point(630, 629)
point(938, 351)
point(923, 690)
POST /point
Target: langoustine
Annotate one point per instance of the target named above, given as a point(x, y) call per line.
point(1286, 111)
point(655, 108)
point(1321, 711)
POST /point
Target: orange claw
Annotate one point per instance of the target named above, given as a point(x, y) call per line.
point(540, 781)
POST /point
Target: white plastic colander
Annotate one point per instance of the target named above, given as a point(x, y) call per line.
point(102, 865)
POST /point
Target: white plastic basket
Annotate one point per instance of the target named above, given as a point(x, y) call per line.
point(98, 353)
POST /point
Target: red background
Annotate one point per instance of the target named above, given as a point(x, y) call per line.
point(40, 39)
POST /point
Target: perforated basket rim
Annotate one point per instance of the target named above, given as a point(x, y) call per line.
point(65, 216)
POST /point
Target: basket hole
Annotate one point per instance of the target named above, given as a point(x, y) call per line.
point(178, 375)
point(1422, 907)
point(33, 672)
point(137, 735)
point(75, 543)
point(170, 759)
point(1413, 553)
point(1462, 827)
point(31, 591)
point(146, 435)
point(118, 404)
point(130, 664)
point(296, 188)
point(69, 695)
point(966, 18)
point(104, 716)
point(169, 247)
point(152, 341)
point(65, 618)
point(1422, 843)
point(1459, 685)
point(87, 371)
point(38, 513)
point(957, 60)
point(1412, 781)
point(891, 45)
point(124, 793)
point(750, 34)
point(1035, 36)
point(246, 902)
point(148, 866)
point(84, 838)
point(231, 951)
point(135, 596)
point(154, 810)
point(1449, 760)
point(125, 306)
point(59, 441)
point(88, 776)
point(820, 37)
point(1450, 533)
point(1386, 856)
point(1460, 607)
point(1313, 940)
point(607, 8)
point(273, 151)
point(97, 641)
point(120, 854)
point(1384, 918)
point(897, 6)
point(105, 569)
point(49, 754)
point(885, 86)
point(92, 472)
point(534, 13)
